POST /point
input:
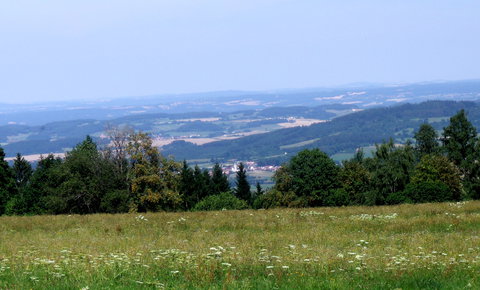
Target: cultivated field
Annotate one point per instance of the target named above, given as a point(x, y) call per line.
point(408, 246)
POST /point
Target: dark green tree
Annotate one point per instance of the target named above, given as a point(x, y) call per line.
point(7, 182)
point(426, 140)
point(355, 180)
point(259, 190)
point(89, 177)
point(459, 139)
point(391, 169)
point(22, 171)
point(242, 190)
point(310, 175)
point(219, 180)
point(201, 182)
point(186, 187)
point(461, 145)
point(438, 169)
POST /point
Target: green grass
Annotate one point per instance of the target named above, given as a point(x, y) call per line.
point(427, 246)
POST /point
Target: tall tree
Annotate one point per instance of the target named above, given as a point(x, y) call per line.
point(459, 139)
point(391, 169)
point(186, 186)
point(42, 192)
point(437, 168)
point(154, 178)
point(356, 180)
point(242, 190)
point(461, 145)
point(117, 149)
point(89, 177)
point(311, 175)
point(22, 171)
point(202, 182)
point(426, 140)
point(219, 180)
point(7, 182)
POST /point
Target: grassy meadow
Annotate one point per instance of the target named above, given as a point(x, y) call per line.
point(406, 246)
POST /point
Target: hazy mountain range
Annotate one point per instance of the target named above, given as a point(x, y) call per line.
point(204, 118)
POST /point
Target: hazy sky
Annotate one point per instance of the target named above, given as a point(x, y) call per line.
point(60, 50)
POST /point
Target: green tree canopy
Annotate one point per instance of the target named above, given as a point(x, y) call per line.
point(459, 139)
point(310, 174)
point(154, 178)
point(437, 168)
point(426, 139)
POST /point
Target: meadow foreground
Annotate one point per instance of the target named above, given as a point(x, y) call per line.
point(406, 246)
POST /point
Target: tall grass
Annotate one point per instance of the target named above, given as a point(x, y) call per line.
point(406, 246)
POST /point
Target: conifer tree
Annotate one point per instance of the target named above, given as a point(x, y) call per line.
point(7, 182)
point(243, 187)
point(219, 180)
point(22, 171)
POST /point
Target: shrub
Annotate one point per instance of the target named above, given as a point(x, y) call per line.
point(275, 198)
point(337, 197)
point(220, 201)
point(397, 198)
point(428, 191)
point(115, 202)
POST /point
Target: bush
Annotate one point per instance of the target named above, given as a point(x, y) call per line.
point(275, 198)
point(16, 206)
point(428, 191)
point(397, 198)
point(337, 197)
point(115, 202)
point(220, 201)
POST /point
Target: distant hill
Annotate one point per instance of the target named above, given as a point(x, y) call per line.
point(342, 134)
point(364, 96)
point(61, 136)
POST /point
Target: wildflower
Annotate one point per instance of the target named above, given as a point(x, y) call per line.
point(269, 267)
point(285, 267)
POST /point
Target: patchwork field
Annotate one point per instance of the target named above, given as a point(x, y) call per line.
point(407, 246)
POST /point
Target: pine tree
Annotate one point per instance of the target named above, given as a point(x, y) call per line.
point(259, 189)
point(243, 187)
point(22, 171)
point(187, 186)
point(7, 182)
point(219, 180)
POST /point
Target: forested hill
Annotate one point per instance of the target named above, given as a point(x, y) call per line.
point(343, 134)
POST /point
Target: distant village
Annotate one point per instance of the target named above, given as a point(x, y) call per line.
point(249, 166)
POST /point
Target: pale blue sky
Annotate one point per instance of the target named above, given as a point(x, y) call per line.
point(61, 50)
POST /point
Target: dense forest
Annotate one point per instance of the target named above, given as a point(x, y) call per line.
point(130, 175)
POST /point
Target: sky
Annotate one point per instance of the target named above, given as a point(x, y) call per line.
point(57, 50)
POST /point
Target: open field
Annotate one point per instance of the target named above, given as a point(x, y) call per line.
point(407, 246)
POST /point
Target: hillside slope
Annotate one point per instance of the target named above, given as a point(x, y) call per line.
point(343, 134)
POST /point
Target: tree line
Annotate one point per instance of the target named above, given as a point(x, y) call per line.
point(433, 169)
point(131, 175)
